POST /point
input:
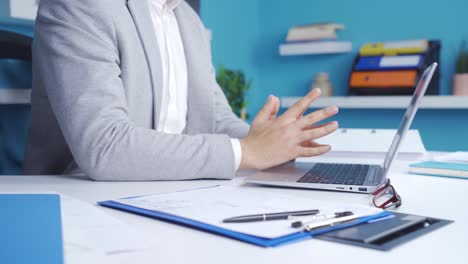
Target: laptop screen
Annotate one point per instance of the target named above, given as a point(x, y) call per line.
point(409, 116)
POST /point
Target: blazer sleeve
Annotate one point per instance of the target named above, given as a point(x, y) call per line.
point(226, 121)
point(75, 53)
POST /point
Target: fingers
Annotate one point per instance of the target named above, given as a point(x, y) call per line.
point(267, 110)
point(310, 144)
point(310, 152)
point(314, 126)
point(275, 109)
point(317, 116)
point(301, 106)
point(318, 132)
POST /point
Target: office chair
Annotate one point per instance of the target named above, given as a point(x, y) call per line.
point(15, 71)
point(15, 46)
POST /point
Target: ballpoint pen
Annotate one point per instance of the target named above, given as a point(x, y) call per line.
point(331, 222)
point(269, 216)
point(298, 224)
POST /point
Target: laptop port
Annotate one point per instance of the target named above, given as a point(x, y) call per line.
point(362, 189)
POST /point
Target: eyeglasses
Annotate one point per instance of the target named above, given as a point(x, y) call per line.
point(386, 196)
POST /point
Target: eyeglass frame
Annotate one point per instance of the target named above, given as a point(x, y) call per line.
point(395, 200)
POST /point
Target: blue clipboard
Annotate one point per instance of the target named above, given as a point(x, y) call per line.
point(259, 241)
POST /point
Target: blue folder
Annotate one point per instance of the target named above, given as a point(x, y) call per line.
point(259, 241)
point(374, 63)
point(31, 229)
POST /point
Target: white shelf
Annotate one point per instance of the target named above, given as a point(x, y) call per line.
point(315, 48)
point(15, 96)
point(24, 9)
point(384, 102)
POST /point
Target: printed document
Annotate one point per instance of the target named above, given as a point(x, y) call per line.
point(213, 204)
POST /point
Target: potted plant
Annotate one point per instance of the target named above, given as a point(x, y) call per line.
point(460, 80)
point(234, 86)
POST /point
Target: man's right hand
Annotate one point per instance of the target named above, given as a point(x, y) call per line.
point(275, 140)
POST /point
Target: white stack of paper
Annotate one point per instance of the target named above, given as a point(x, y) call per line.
point(455, 157)
point(370, 143)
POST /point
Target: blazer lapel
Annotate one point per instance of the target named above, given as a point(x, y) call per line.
point(139, 10)
point(200, 115)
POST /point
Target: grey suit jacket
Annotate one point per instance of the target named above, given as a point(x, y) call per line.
point(97, 94)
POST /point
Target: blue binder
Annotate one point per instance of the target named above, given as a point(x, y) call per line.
point(383, 63)
point(31, 229)
point(259, 241)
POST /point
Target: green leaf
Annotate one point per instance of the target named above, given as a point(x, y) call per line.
point(234, 86)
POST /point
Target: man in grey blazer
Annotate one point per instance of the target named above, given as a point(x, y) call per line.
point(98, 82)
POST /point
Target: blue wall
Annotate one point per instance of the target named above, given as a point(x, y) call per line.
point(235, 31)
point(246, 34)
point(371, 22)
point(365, 21)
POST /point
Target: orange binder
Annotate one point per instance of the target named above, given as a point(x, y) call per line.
point(387, 79)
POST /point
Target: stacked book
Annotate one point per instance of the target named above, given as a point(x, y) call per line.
point(452, 165)
point(392, 68)
point(314, 39)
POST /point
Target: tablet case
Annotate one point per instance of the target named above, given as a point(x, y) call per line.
point(386, 232)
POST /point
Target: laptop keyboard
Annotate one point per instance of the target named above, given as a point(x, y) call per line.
point(331, 173)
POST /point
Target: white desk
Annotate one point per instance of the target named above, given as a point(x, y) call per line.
point(430, 196)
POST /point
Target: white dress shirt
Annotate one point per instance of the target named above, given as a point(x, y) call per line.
point(173, 116)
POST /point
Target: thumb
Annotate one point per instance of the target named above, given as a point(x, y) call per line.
point(275, 108)
point(266, 111)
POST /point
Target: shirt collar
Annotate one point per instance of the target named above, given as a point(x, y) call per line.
point(170, 4)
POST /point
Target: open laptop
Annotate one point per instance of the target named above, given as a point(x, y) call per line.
point(362, 178)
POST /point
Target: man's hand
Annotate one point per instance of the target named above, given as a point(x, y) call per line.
point(272, 141)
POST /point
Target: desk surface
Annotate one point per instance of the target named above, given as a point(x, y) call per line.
point(430, 196)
